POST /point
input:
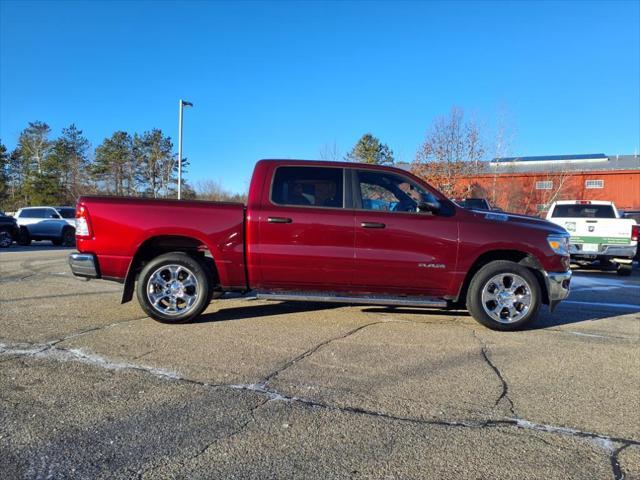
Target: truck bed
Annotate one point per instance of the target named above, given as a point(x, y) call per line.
point(120, 226)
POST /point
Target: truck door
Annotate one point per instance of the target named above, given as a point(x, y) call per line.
point(399, 249)
point(306, 235)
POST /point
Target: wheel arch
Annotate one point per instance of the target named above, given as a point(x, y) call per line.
point(160, 244)
point(520, 257)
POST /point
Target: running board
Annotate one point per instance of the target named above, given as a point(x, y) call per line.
point(391, 301)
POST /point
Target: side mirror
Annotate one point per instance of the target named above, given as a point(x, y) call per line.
point(432, 206)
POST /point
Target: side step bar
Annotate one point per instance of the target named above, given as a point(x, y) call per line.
point(393, 301)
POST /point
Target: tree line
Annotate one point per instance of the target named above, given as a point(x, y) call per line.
point(55, 171)
point(45, 171)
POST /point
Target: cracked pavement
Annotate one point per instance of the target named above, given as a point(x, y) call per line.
point(91, 388)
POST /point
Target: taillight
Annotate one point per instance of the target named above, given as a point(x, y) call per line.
point(83, 228)
point(635, 232)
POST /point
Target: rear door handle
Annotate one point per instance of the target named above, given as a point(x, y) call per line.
point(372, 225)
point(279, 220)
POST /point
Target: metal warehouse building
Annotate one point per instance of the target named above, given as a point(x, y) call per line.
point(530, 184)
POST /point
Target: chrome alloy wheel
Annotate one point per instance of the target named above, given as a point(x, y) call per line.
point(506, 297)
point(172, 289)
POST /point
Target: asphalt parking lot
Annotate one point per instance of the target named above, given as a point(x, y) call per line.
point(92, 388)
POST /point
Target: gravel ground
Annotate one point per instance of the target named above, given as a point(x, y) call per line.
point(91, 388)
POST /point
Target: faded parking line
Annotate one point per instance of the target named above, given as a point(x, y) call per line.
point(625, 306)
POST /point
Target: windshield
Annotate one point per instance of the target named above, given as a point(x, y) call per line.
point(584, 211)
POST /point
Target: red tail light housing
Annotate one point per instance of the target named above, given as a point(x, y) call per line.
point(635, 232)
point(83, 224)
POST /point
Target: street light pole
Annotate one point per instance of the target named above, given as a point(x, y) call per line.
point(181, 104)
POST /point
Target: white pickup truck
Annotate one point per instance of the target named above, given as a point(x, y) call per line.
point(597, 232)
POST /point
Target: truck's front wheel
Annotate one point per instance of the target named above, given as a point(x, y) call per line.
point(504, 295)
point(174, 288)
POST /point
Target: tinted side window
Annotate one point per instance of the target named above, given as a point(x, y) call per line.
point(390, 192)
point(308, 186)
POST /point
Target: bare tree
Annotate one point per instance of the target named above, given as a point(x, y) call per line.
point(452, 149)
point(504, 136)
point(213, 190)
point(330, 152)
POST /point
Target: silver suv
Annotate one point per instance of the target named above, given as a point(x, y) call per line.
point(46, 223)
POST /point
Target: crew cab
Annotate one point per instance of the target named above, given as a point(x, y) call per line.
point(598, 232)
point(325, 231)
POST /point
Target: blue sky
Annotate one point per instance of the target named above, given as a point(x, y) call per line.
point(280, 80)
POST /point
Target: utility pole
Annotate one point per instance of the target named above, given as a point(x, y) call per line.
point(182, 104)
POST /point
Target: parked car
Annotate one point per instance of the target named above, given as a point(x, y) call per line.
point(597, 232)
point(44, 223)
point(309, 232)
point(8, 230)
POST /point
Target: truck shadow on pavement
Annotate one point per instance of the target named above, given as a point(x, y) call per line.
point(545, 319)
point(564, 315)
point(251, 310)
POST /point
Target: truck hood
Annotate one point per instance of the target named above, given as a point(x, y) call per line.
point(524, 221)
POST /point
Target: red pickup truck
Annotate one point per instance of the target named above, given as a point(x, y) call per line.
point(325, 231)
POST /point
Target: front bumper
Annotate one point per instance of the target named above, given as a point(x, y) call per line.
point(557, 287)
point(84, 265)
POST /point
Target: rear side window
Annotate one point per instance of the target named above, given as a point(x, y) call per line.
point(308, 186)
point(583, 211)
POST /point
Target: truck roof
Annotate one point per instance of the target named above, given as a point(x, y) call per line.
point(583, 202)
point(325, 163)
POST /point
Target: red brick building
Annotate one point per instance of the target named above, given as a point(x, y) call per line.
point(530, 184)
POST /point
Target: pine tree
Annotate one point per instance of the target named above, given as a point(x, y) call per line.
point(158, 163)
point(4, 174)
point(70, 153)
point(32, 155)
point(111, 165)
point(369, 150)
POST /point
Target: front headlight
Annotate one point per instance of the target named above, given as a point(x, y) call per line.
point(559, 244)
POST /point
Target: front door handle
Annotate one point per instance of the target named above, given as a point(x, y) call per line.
point(372, 225)
point(279, 220)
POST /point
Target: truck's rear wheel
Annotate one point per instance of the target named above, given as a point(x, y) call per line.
point(174, 288)
point(504, 296)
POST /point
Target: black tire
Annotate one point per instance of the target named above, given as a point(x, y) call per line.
point(24, 238)
point(624, 270)
point(6, 239)
point(483, 278)
point(202, 291)
point(68, 237)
